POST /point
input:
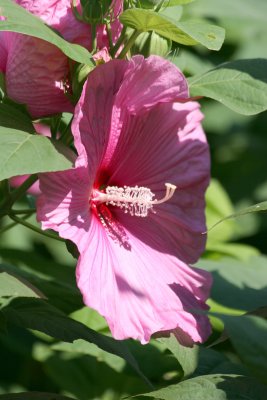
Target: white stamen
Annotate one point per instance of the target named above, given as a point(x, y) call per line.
point(135, 200)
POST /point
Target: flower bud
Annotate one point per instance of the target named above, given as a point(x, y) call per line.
point(94, 11)
point(149, 43)
point(79, 77)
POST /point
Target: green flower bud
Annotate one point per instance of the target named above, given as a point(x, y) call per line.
point(149, 43)
point(80, 74)
point(95, 11)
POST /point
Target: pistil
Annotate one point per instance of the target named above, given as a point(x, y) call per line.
point(136, 201)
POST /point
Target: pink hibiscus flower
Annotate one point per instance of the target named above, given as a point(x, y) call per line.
point(37, 72)
point(137, 138)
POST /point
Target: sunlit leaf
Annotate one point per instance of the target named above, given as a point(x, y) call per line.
point(240, 85)
point(82, 347)
point(17, 19)
point(186, 356)
point(187, 33)
point(213, 387)
point(11, 286)
point(22, 153)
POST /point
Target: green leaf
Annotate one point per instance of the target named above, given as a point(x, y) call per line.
point(215, 362)
point(249, 337)
point(248, 210)
point(55, 280)
point(187, 33)
point(239, 251)
point(21, 153)
point(210, 36)
point(173, 13)
point(38, 315)
point(244, 282)
point(240, 85)
point(149, 43)
point(90, 318)
point(12, 117)
point(21, 21)
point(186, 356)
point(82, 347)
point(33, 396)
point(11, 286)
point(213, 387)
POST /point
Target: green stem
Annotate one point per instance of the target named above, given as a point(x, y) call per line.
point(20, 191)
point(16, 195)
point(119, 42)
point(67, 137)
point(129, 44)
point(110, 41)
point(5, 190)
point(19, 212)
point(55, 123)
point(94, 42)
point(11, 225)
point(157, 9)
point(35, 228)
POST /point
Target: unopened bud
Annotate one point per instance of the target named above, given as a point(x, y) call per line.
point(93, 12)
point(79, 77)
point(149, 43)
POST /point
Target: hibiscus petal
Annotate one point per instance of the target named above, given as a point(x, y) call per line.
point(141, 291)
point(64, 202)
point(59, 15)
point(117, 87)
point(36, 73)
point(149, 81)
point(92, 119)
point(166, 144)
point(3, 51)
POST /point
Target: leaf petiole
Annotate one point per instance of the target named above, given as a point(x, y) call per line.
point(35, 228)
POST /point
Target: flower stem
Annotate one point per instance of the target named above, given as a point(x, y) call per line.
point(19, 212)
point(12, 224)
point(157, 9)
point(18, 193)
point(119, 42)
point(94, 41)
point(110, 42)
point(67, 137)
point(35, 228)
point(5, 191)
point(129, 44)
